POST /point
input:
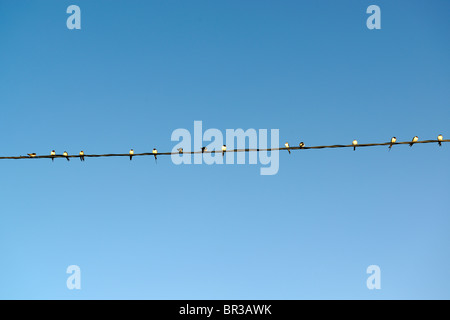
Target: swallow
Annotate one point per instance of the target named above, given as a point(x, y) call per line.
point(287, 147)
point(65, 154)
point(82, 155)
point(31, 155)
point(414, 140)
point(131, 154)
point(393, 140)
point(355, 143)
point(155, 152)
point(52, 154)
point(180, 150)
point(440, 138)
point(224, 149)
point(204, 149)
point(301, 145)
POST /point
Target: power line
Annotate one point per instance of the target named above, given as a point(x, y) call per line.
point(287, 147)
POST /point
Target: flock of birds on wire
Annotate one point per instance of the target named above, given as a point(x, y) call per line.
point(81, 155)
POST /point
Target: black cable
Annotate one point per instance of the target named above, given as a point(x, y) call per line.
point(57, 156)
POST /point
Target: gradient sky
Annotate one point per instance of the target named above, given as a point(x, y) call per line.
point(137, 70)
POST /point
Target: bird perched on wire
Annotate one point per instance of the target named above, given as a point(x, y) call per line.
point(65, 154)
point(287, 147)
point(82, 155)
point(440, 138)
point(32, 155)
point(355, 143)
point(155, 152)
point(414, 140)
point(224, 149)
point(204, 149)
point(393, 140)
point(180, 150)
point(131, 154)
point(301, 145)
point(53, 154)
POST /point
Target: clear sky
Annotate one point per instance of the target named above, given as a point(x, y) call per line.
point(137, 70)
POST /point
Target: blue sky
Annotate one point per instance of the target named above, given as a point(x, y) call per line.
point(137, 70)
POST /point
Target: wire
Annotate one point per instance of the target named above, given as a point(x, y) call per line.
point(82, 156)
